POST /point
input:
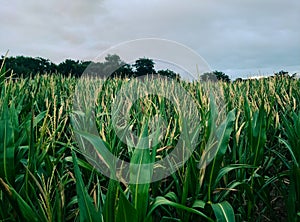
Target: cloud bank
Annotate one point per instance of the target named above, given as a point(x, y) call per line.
point(238, 37)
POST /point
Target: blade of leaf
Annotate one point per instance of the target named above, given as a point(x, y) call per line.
point(7, 147)
point(23, 209)
point(223, 212)
point(126, 212)
point(111, 198)
point(160, 201)
point(140, 174)
point(87, 210)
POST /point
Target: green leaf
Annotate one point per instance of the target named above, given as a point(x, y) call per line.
point(23, 209)
point(110, 204)
point(98, 153)
point(87, 210)
point(199, 204)
point(160, 201)
point(290, 149)
point(140, 174)
point(223, 212)
point(222, 135)
point(229, 168)
point(7, 145)
point(259, 135)
point(126, 212)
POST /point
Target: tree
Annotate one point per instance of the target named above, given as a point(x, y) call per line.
point(68, 67)
point(221, 76)
point(43, 65)
point(124, 71)
point(112, 63)
point(71, 67)
point(144, 66)
point(111, 67)
point(26, 66)
point(239, 80)
point(208, 76)
point(214, 76)
point(282, 73)
point(286, 74)
point(169, 73)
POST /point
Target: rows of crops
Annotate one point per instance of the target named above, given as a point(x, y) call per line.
point(253, 176)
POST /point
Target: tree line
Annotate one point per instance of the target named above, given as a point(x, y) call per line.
point(113, 66)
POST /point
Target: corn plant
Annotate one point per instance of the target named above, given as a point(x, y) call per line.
point(292, 143)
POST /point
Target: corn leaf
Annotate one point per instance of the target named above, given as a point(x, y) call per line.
point(223, 212)
point(140, 174)
point(126, 212)
point(22, 208)
point(87, 210)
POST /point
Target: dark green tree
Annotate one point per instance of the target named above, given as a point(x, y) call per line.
point(28, 66)
point(282, 73)
point(239, 80)
point(221, 76)
point(124, 71)
point(71, 67)
point(169, 73)
point(214, 76)
point(208, 76)
point(144, 66)
point(111, 64)
point(68, 67)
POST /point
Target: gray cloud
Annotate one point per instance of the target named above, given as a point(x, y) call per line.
point(234, 36)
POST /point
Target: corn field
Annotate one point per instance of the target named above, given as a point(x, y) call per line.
point(253, 176)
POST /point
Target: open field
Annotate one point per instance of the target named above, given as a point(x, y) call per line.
point(254, 176)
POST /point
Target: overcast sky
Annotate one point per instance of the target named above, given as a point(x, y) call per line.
point(245, 38)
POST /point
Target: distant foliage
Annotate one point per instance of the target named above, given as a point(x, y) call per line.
point(144, 66)
point(209, 76)
point(26, 66)
point(283, 73)
point(71, 67)
point(168, 73)
point(221, 76)
point(214, 76)
point(112, 67)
